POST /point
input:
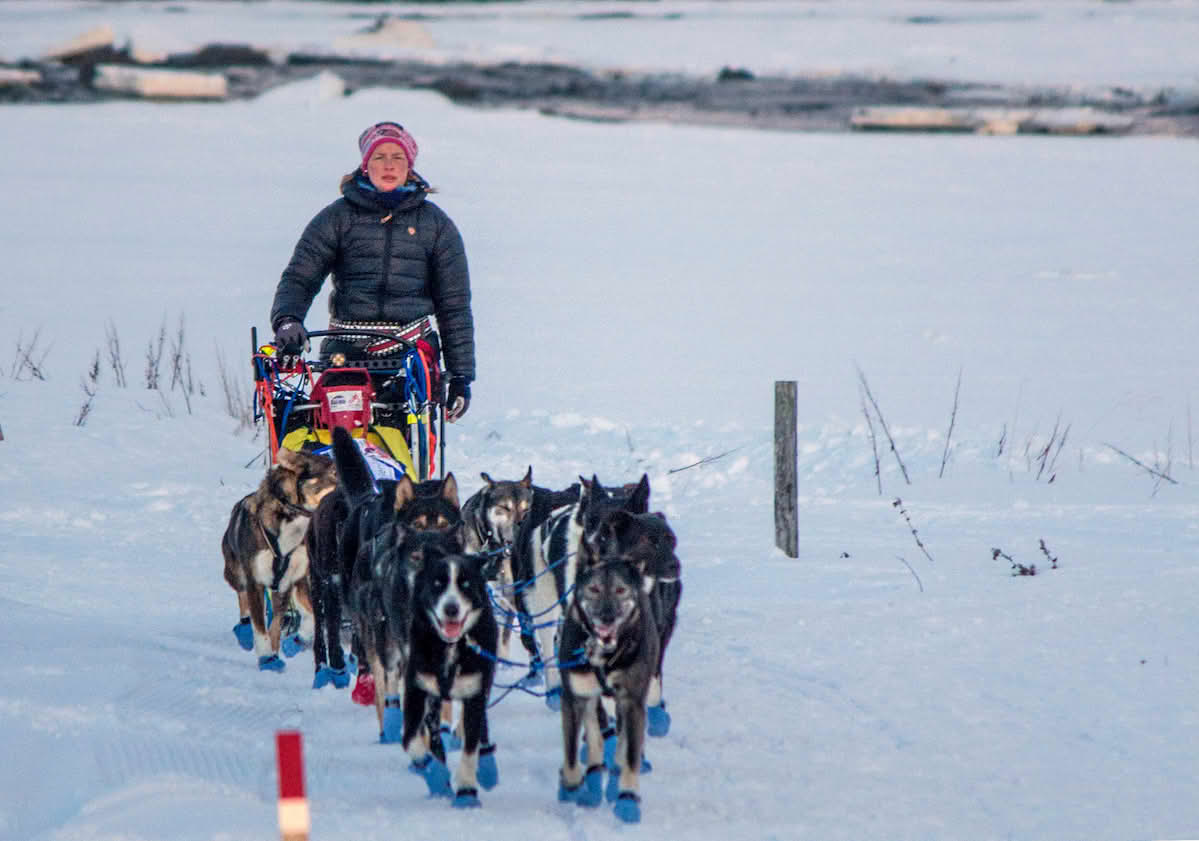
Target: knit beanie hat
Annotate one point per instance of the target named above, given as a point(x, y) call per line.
point(381, 133)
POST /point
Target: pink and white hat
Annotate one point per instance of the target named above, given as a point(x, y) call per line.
point(381, 133)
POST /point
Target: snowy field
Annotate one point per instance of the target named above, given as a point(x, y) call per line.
point(638, 289)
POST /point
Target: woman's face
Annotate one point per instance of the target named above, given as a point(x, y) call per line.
point(388, 167)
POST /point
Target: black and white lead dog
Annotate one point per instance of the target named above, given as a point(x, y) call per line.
point(451, 657)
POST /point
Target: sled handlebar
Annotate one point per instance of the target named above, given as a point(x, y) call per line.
point(374, 334)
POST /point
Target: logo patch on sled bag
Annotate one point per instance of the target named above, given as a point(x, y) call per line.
point(345, 400)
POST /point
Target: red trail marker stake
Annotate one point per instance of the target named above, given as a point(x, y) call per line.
point(293, 803)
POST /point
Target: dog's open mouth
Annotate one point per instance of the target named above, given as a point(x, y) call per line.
point(450, 629)
point(606, 634)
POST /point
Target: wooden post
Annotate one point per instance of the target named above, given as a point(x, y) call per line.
point(293, 803)
point(786, 468)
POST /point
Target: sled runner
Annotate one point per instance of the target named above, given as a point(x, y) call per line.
point(392, 405)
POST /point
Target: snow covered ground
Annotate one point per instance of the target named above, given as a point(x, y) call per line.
point(638, 288)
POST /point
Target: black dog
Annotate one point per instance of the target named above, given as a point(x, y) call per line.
point(609, 646)
point(452, 645)
point(359, 556)
point(544, 559)
point(647, 541)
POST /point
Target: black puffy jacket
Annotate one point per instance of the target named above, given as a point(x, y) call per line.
point(394, 265)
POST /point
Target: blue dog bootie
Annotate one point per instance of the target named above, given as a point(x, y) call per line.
point(628, 807)
point(568, 794)
point(466, 798)
point(591, 793)
point(293, 644)
point(244, 632)
point(436, 775)
point(553, 699)
point(271, 663)
point(449, 739)
point(488, 772)
point(393, 721)
point(658, 720)
point(326, 675)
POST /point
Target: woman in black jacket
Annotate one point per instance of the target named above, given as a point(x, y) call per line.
point(396, 259)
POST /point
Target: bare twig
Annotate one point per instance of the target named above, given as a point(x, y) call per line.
point(953, 416)
point(1060, 445)
point(1142, 465)
point(912, 571)
point(878, 474)
point(177, 356)
point(898, 503)
point(90, 385)
point(1043, 456)
point(181, 363)
point(704, 461)
point(24, 362)
point(1045, 552)
point(1017, 568)
point(114, 354)
point(154, 357)
point(162, 395)
point(883, 423)
point(236, 405)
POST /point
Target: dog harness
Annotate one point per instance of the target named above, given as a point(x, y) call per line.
point(494, 547)
point(281, 562)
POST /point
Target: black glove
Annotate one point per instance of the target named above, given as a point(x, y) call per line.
point(458, 400)
point(291, 336)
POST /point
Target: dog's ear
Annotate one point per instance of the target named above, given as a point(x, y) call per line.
point(490, 482)
point(585, 498)
point(528, 480)
point(405, 492)
point(449, 490)
point(638, 502)
point(289, 460)
point(621, 522)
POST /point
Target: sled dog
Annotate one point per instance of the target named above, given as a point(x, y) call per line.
point(370, 562)
point(490, 520)
point(453, 637)
point(330, 577)
point(610, 646)
point(648, 542)
point(264, 550)
point(545, 559)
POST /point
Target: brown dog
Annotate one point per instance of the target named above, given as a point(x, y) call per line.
point(264, 549)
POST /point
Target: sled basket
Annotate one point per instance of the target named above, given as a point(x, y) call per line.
point(392, 406)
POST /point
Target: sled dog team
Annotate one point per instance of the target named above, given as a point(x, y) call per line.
point(432, 591)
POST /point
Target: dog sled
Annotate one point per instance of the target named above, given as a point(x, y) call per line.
point(390, 400)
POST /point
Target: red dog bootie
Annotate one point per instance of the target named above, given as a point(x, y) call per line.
point(364, 690)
